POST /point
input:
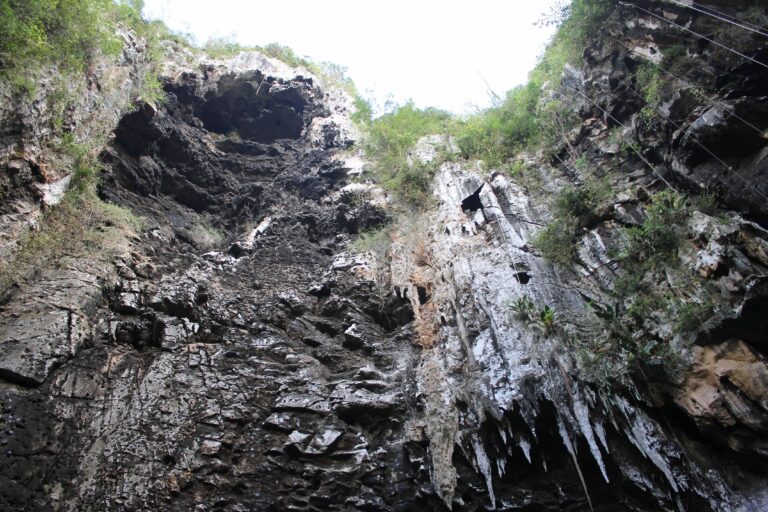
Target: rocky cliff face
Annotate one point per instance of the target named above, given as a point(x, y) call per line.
point(236, 355)
point(87, 108)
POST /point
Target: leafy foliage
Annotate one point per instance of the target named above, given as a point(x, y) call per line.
point(68, 35)
point(689, 315)
point(574, 208)
point(645, 250)
point(523, 308)
point(56, 32)
point(332, 74)
point(497, 134)
point(650, 85)
point(544, 320)
point(392, 136)
point(557, 241)
point(582, 201)
point(523, 118)
point(655, 242)
point(219, 47)
point(607, 355)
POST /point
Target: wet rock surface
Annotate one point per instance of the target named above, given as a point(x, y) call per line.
point(237, 357)
point(33, 174)
point(225, 363)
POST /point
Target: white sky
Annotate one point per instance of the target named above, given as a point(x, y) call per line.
point(437, 53)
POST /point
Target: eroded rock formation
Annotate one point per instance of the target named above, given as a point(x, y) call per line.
point(237, 356)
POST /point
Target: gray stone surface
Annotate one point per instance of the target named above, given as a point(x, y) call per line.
point(240, 357)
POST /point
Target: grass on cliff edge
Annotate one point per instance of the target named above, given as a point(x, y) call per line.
point(330, 73)
point(65, 33)
point(81, 227)
point(389, 140)
point(65, 39)
point(523, 119)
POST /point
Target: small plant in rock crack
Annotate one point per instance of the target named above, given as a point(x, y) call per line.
point(523, 308)
point(614, 323)
point(546, 320)
point(690, 315)
point(655, 242)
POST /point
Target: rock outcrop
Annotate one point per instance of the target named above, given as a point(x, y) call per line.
point(237, 355)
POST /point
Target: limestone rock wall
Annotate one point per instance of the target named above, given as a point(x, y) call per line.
point(236, 355)
point(506, 390)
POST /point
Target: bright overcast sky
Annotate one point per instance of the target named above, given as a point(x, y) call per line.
point(438, 53)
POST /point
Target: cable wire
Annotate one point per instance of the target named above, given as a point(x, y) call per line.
point(752, 25)
point(724, 17)
point(736, 52)
point(711, 101)
point(699, 143)
point(637, 152)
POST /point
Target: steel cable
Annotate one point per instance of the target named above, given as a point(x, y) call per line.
point(736, 52)
point(724, 17)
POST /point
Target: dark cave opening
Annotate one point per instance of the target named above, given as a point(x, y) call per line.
point(523, 277)
point(423, 295)
point(472, 202)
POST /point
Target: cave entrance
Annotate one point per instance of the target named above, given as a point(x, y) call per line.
point(423, 295)
point(472, 202)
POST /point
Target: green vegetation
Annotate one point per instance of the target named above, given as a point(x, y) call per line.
point(224, 47)
point(650, 86)
point(65, 39)
point(35, 34)
point(543, 319)
point(392, 136)
point(202, 234)
point(546, 320)
point(648, 255)
point(626, 147)
point(63, 33)
point(557, 241)
point(689, 315)
point(648, 291)
point(376, 241)
point(332, 74)
point(523, 119)
point(574, 209)
point(523, 308)
point(654, 243)
point(615, 347)
point(498, 133)
point(674, 58)
point(81, 226)
point(69, 36)
point(648, 248)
